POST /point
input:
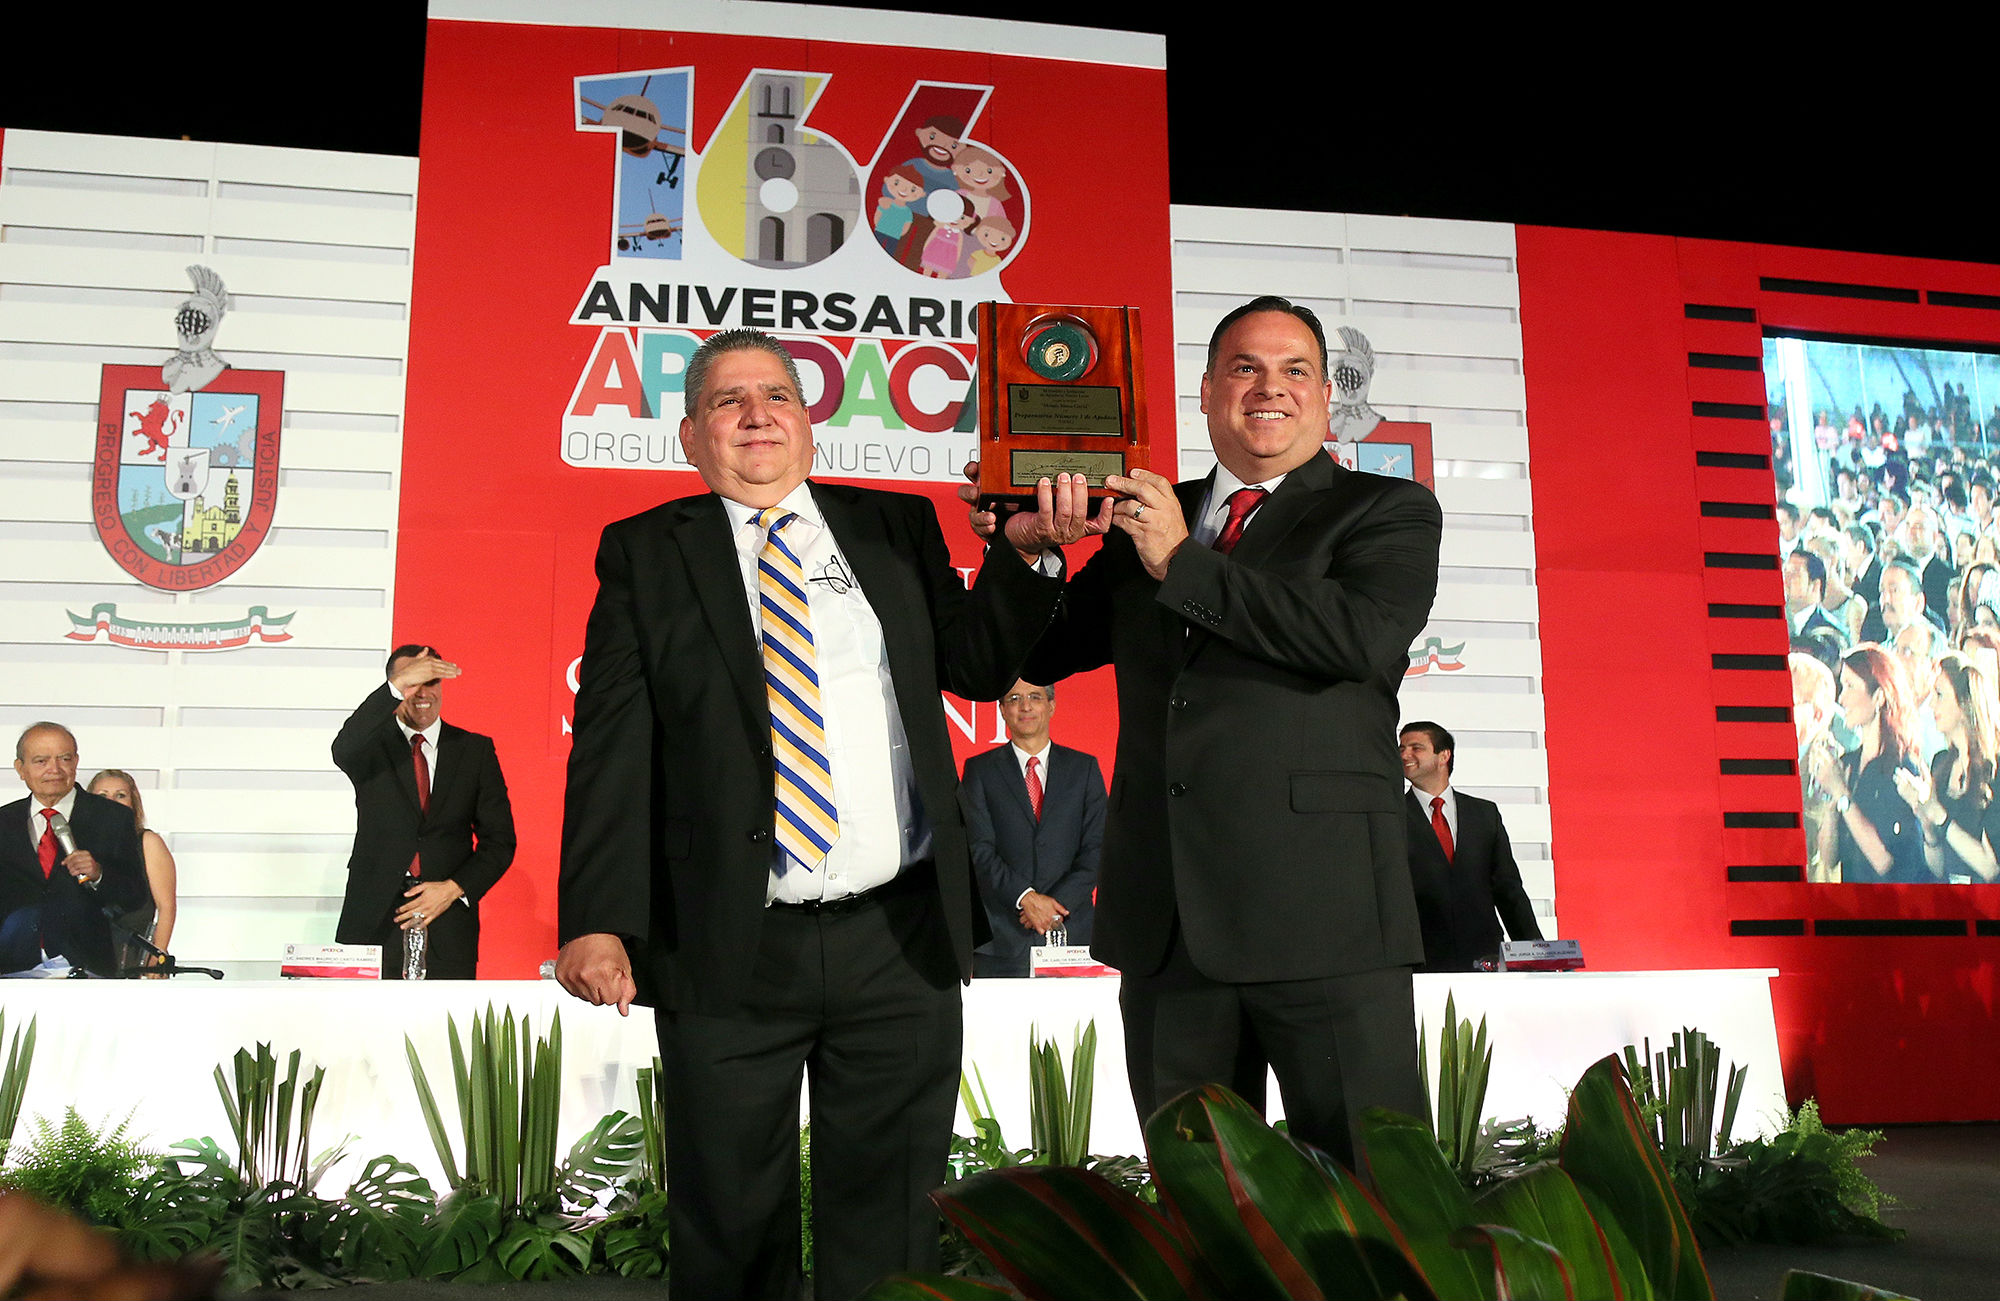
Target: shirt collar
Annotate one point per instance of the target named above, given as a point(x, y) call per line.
point(1021, 756)
point(1424, 798)
point(431, 733)
point(1227, 484)
point(799, 501)
point(65, 806)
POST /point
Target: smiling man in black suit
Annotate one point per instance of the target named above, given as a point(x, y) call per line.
point(1460, 860)
point(54, 899)
point(1255, 889)
point(433, 829)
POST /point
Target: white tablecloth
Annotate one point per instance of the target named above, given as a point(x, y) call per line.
point(150, 1047)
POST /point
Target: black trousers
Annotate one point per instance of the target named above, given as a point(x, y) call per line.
point(863, 1004)
point(1337, 1045)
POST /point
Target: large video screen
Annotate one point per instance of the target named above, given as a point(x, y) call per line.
point(1885, 457)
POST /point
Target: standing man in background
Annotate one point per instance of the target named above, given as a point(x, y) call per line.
point(433, 829)
point(1035, 811)
point(1460, 860)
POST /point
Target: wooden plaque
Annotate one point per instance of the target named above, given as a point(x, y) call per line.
point(1060, 391)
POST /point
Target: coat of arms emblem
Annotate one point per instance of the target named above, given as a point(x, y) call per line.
point(184, 480)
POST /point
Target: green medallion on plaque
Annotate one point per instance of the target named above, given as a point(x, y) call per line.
point(1059, 393)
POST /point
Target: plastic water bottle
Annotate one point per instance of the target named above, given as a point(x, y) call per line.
point(416, 950)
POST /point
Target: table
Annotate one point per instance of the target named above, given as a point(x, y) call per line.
point(149, 1048)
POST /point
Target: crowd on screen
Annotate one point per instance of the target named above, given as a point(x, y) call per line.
point(1892, 596)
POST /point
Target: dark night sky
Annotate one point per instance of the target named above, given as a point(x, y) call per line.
point(1858, 139)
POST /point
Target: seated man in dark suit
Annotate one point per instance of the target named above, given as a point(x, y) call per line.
point(433, 829)
point(1035, 812)
point(68, 859)
point(1460, 862)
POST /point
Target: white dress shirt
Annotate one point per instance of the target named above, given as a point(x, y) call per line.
point(1450, 808)
point(882, 827)
point(65, 806)
point(1021, 758)
point(431, 734)
point(1207, 527)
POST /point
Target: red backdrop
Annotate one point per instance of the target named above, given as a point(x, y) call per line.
point(1634, 349)
point(497, 533)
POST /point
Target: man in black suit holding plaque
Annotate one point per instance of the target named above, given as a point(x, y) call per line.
point(1255, 890)
point(1461, 862)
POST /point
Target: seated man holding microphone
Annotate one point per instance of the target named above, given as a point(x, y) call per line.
point(69, 861)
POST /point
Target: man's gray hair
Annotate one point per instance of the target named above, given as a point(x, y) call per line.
point(21, 741)
point(732, 341)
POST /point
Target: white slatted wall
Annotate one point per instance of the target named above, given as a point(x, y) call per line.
point(230, 747)
point(1440, 303)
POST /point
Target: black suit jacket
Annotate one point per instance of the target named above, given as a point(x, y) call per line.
point(1012, 851)
point(467, 835)
point(668, 813)
point(73, 922)
point(1457, 899)
point(1255, 793)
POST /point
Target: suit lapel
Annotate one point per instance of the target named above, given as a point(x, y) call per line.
point(15, 851)
point(1176, 632)
point(1284, 508)
point(710, 555)
point(448, 769)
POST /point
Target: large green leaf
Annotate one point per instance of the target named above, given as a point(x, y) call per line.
point(602, 1157)
point(635, 1250)
point(1523, 1267)
point(1544, 1203)
point(381, 1220)
point(427, 1105)
point(1305, 1214)
point(1420, 1192)
point(537, 1251)
point(14, 1079)
point(1270, 1217)
point(1802, 1286)
point(1058, 1233)
point(461, 1235)
point(244, 1240)
point(177, 1210)
point(933, 1287)
point(1609, 1152)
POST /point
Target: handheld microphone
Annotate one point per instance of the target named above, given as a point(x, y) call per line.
point(64, 836)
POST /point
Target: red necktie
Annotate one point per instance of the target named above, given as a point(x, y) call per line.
point(1241, 503)
point(47, 849)
point(1443, 828)
point(1035, 787)
point(423, 789)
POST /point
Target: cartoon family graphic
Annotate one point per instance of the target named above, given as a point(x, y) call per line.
point(944, 213)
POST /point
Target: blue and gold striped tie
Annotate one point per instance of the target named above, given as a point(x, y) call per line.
point(807, 823)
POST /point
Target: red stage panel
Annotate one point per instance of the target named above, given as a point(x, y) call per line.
point(1608, 322)
point(538, 355)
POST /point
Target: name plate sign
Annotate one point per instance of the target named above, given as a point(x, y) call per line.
point(1060, 392)
point(1541, 955)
